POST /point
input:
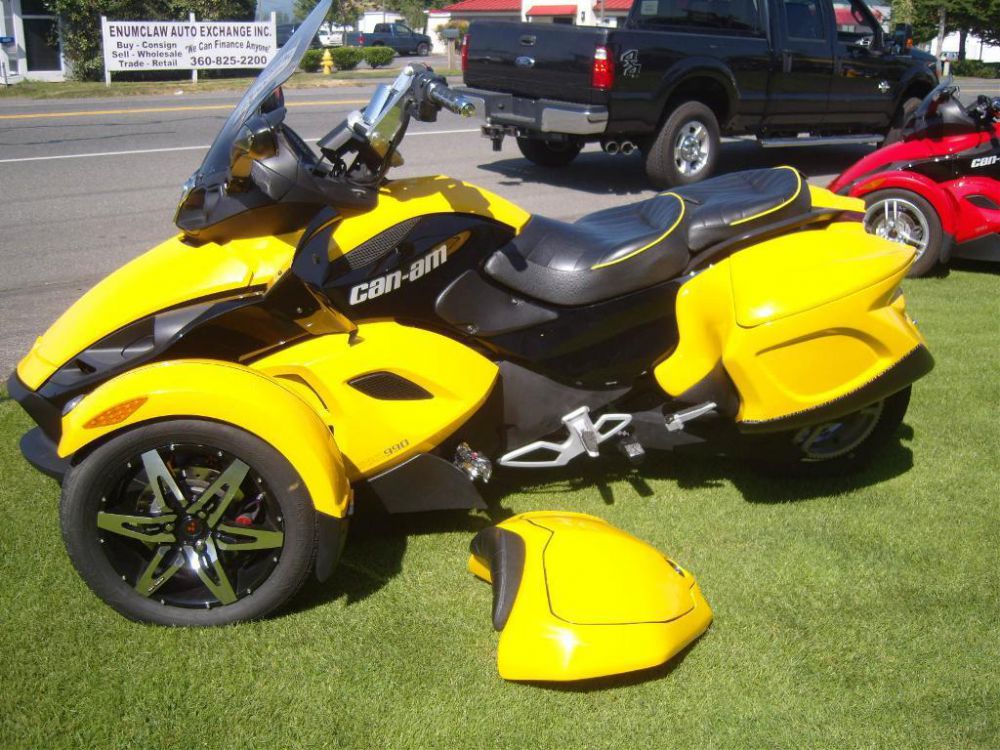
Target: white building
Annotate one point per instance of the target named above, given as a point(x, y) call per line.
point(578, 13)
point(31, 42)
point(975, 48)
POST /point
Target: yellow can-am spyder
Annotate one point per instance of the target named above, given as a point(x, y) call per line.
point(315, 327)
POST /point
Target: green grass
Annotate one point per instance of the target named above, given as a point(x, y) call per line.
point(88, 89)
point(858, 611)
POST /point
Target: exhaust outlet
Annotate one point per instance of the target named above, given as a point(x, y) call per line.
point(611, 147)
point(626, 148)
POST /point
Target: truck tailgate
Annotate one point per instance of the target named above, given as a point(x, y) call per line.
point(537, 60)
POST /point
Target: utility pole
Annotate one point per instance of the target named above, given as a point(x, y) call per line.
point(942, 20)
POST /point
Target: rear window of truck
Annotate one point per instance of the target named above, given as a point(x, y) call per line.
point(740, 16)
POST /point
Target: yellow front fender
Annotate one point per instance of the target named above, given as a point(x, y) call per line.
point(224, 392)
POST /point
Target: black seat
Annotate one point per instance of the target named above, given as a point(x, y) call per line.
point(603, 255)
point(619, 250)
point(732, 204)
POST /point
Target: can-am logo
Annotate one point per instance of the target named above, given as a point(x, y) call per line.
point(390, 282)
point(984, 161)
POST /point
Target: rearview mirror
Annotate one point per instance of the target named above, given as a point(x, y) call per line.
point(256, 141)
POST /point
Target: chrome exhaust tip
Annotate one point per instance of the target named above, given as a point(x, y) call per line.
point(611, 147)
point(626, 148)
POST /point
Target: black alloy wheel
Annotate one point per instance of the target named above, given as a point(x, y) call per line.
point(188, 523)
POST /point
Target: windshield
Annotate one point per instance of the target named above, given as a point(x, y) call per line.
point(278, 71)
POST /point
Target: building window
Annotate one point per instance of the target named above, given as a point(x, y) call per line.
point(41, 37)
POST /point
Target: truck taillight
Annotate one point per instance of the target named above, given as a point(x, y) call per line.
point(602, 74)
point(361, 40)
point(465, 53)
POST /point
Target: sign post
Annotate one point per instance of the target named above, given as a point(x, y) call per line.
point(191, 45)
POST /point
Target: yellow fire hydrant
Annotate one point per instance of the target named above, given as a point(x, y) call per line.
point(327, 63)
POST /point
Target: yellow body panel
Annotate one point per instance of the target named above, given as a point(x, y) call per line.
point(172, 273)
point(400, 200)
point(796, 272)
point(798, 321)
point(592, 601)
point(823, 198)
point(374, 434)
point(227, 393)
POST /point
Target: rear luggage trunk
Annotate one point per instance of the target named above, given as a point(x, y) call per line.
point(537, 60)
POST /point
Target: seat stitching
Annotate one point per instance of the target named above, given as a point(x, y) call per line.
point(654, 242)
point(798, 189)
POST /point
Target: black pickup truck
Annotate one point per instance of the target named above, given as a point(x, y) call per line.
point(681, 73)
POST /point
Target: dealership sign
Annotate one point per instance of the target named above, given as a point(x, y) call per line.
point(186, 45)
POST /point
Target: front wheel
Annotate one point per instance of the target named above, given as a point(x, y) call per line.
point(187, 522)
point(686, 148)
point(842, 444)
point(549, 154)
point(423, 50)
point(904, 216)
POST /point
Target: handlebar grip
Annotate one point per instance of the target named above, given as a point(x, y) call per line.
point(440, 94)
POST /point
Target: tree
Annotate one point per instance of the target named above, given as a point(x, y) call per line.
point(979, 17)
point(342, 12)
point(80, 23)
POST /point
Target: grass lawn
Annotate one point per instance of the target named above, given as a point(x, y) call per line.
point(85, 89)
point(859, 611)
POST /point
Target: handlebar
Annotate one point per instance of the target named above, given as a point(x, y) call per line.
point(440, 94)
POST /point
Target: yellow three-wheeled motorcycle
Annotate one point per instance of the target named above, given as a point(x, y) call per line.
point(315, 327)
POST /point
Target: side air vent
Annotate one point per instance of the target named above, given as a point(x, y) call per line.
point(982, 201)
point(387, 386)
point(378, 246)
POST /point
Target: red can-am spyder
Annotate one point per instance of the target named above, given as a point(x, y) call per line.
point(939, 188)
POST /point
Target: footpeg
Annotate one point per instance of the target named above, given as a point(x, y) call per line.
point(585, 436)
point(631, 448)
point(676, 421)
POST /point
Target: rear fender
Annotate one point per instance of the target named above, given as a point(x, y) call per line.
point(226, 393)
point(946, 206)
point(803, 324)
point(686, 74)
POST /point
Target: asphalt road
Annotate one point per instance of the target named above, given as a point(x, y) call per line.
point(88, 184)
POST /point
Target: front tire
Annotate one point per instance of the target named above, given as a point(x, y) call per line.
point(686, 148)
point(903, 216)
point(423, 50)
point(549, 154)
point(895, 134)
point(188, 522)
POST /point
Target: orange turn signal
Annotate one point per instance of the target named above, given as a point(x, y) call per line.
point(116, 414)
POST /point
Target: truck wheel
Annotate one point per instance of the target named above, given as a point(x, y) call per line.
point(188, 522)
point(423, 50)
point(904, 216)
point(549, 154)
point(686, 148)
point(895, 133)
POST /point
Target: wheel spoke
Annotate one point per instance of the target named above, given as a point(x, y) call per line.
point(159, 476)
point(227, 484)
point(149, 582)
point(144, 528)
point(209, 569)
point(248, 538)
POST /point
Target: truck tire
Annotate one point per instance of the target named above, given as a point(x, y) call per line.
point(423, 50)
point(549, 154)
point(686, 148)
point(895, 134)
